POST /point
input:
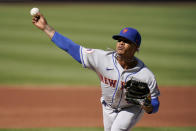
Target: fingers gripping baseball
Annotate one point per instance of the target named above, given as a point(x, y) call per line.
point(39, 21)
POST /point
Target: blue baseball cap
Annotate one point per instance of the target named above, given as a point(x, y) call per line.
point(130, 34)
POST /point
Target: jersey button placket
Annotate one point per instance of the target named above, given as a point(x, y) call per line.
point(120, 89)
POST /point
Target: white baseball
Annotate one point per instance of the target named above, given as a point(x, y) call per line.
point(34, 11)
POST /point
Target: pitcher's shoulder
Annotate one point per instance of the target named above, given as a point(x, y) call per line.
point(145, 70)
point(93, 51)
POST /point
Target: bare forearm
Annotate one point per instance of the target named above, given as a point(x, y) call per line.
point(40, 22)
point(148, 109)
point(49, 31)
point(147, 106)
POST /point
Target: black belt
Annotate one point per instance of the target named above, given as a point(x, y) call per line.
point(115, 109)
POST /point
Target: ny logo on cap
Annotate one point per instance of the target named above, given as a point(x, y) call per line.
point(125, 30)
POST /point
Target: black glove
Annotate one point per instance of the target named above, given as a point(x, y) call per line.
point(137, 92)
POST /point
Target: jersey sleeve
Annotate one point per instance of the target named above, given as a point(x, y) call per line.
point(90, 57)
point(67, 45)
point(154, 90)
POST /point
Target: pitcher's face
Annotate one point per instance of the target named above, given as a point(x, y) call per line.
point(125, 48)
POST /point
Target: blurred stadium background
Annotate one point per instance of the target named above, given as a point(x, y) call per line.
point(28, 57)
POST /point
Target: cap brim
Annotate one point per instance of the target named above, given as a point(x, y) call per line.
point(117, 37)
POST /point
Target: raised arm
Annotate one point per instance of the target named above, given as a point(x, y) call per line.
point(61, 41)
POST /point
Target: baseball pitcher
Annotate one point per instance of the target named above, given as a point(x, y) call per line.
point(128, 87)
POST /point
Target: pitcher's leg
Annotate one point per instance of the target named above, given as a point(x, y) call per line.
point(127, 118)
point(108, 117)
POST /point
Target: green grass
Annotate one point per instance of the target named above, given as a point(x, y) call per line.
point(101, 129)
point(27, 56)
